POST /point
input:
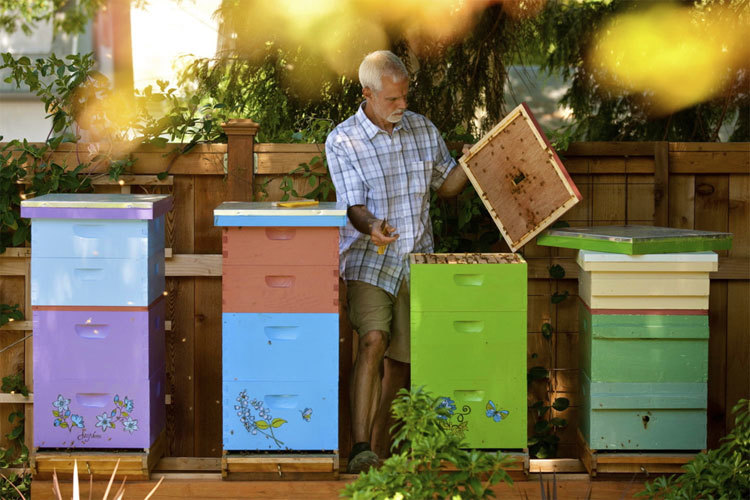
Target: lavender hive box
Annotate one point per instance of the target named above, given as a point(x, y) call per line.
point(113, 410)
point(84, 344)
point(96, 206)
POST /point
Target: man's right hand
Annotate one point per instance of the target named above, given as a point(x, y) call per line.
point(382, 233)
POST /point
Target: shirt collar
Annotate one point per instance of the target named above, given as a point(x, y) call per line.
point(371, 130)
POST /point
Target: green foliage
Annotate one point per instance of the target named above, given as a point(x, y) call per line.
point(13, 384)
point(564, 33)
point(259, 88)
point(67, 16)
point(428, 462)
point(16, 455)
point(723, 473)
point(10, 313)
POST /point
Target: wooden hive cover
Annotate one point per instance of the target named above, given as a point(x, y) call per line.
point(520, 178)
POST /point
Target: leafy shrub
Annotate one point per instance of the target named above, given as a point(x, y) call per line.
point(429, 462)
point(723, 473)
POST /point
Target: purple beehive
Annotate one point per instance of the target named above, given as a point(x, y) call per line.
point(99, 371)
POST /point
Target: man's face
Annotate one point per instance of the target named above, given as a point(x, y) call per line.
point(389, 103)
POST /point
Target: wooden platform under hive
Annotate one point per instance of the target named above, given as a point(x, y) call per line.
point(520, 178)
point(133, 464)
point(615, 462)
point(280, 466)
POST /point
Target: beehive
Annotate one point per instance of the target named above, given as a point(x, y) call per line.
point(97, 283)
point(643, 323)
point(280, 339)
point(520, 178)
point(468, 343)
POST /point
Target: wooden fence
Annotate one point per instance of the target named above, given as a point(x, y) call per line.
point(687, 185)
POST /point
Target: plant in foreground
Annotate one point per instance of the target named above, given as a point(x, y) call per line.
point(723, 473)
point(428, 461)
point(76, 494)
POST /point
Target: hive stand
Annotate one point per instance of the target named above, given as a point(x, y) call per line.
point(136, 465)
point(280, 466)
point(616, 462)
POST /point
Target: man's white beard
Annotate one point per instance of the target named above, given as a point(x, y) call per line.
point(396, 116)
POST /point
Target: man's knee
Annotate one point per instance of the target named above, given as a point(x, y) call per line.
point(373, 343)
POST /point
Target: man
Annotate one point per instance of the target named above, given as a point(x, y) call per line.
point(383, 162)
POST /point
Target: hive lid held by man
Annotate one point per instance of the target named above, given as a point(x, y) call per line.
point(238, 213)
point(520, 178)
point(636, 240)
point(96, 206)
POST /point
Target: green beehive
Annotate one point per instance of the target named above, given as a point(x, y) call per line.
point(468, 343)
point(643, 380)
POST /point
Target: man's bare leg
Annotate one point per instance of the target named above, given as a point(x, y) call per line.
point(366, 387)
point(395, 377)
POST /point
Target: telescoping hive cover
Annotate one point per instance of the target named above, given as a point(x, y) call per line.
point(636, 240)
point(520, 178)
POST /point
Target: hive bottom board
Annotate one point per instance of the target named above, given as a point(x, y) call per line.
point(642, 416)
point(276, 415)
point(71, 413)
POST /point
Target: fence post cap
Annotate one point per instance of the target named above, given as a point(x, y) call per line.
point(240, 126)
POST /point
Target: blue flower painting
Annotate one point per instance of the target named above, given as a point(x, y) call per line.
point(65, 419)
point(105, 422)
point(449, 405)
point(263, 423)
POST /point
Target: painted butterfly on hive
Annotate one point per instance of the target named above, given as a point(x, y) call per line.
point(306, 414)
point(494, 413)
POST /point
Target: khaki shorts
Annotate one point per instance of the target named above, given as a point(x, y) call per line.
point(372, 308)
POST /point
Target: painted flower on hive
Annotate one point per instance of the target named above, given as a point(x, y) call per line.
point(130, 425)
point(64, 418)
point(77, 421)
point(105, 422)
point(61, 404)
point(264, 423)
point(449, 405)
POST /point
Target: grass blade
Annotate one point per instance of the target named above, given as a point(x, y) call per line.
point(154, 489)
point(14, 486)
point(76, 487)
point(111, 479)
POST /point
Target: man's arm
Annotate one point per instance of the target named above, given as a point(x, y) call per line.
point(455, 182)
point(366, 223)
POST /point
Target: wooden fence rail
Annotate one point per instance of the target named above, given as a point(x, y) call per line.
point(687, 185)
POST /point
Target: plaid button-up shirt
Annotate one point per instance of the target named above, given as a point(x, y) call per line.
point(391, 175)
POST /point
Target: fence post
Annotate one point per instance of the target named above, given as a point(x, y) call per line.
point(240, 144)
point(661, 183)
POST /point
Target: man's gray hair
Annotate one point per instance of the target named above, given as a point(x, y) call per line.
point(378, 64)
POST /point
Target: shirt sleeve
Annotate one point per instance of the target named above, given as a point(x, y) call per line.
point(444, 162)
point(350, 188)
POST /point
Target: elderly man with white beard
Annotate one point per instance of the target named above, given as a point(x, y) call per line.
point(384, 160)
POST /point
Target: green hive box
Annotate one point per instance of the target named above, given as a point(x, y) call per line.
point(468, 343)
point(643, 380)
